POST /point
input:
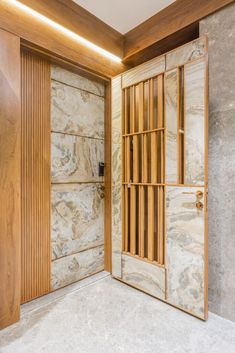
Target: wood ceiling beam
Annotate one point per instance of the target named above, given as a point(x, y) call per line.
point(77, 19)
point(176, 17)
point(40, 34)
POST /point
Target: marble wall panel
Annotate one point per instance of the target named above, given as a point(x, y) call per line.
point(76, 112)
point(186, 53)
point(194, 94)
point(116, 229)
point(72, 268)
point(73, 79)
point(143, 275)
point(171, 124)
point(77, 218)
point(116, 175)
point(185, 249)
point(75, 159)
point(116, 110)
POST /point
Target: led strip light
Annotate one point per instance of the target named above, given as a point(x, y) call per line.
point(65, 31)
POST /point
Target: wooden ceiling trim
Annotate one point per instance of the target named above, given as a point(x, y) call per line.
point(72, 16)
point(180, 14)
point(44, 36)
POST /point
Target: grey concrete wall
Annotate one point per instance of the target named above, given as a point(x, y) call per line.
point(220, 29)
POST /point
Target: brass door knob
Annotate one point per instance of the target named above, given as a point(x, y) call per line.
point(199, 205)
point(199, 193)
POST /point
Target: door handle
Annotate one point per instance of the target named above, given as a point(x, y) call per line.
point(199, 205)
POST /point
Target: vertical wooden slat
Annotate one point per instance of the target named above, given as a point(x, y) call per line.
point(141, 107)
point(151, 223)
point(9, 179)
point(160, 101)
point(141, 220)
point(154, 157)
point(160, 224)
point(133, 221)
point(151, 105)
point(35, 176)
point(128, 159)
point(132, 109)
point(135, 159)
point(145, 159)
point(126, 218)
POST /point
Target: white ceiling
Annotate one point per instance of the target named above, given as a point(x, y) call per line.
point(123, 15)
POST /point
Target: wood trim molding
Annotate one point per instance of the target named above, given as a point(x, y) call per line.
point(77, 19)
point(177, 16)
point(9, 179)
point(35, 176)
point(33, 30)
point(108, 182)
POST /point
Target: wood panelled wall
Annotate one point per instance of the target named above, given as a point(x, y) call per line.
point(35, 176)
point(9, 179)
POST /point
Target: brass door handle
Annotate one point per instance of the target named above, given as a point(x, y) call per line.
point(199, 205)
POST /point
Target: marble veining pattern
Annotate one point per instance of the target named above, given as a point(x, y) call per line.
point(186, 53)
point(144, 71)
point(194, 74)
point(116, 176)
point(143, 275)
point(75, 159)
point(77, 218)
point(171, 121)
point(109, 316)
point(76, 112)
point(185, 249)
point(72, 268)
point(74, 80)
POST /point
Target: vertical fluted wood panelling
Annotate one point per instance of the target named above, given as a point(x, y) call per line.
point(35, 174)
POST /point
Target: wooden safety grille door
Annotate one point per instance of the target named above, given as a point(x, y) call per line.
point(159, 218)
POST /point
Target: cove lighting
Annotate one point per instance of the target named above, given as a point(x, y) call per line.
point(65, 30)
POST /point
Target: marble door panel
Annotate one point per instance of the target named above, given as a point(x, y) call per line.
point(72, 268)
point(143, 275)
point(74, 111)
point(186, 53)
point(74, 80)
point(194, 100)
point(77, 218)
point(185, 249)
point(171, 122)
point(75, 159)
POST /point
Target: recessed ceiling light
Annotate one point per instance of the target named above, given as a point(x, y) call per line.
point(65, 31)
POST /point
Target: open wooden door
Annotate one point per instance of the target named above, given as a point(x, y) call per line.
point(159, 152)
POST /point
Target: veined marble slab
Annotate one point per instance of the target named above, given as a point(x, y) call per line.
point(77, 218)
point(145, 276)
point(76, 112)
point(72, 79)
point(194, 77)
point(117, 229)
point(185, 249)
point(144, 71)
point(186, 53)
point(117, 110)
point(75, 159)
point(171, 118)
point(116, 176)
point(72, 268)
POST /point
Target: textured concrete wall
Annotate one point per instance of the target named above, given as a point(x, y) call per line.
point(220, 29)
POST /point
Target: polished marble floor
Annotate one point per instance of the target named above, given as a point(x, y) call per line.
point(102, 315)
